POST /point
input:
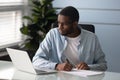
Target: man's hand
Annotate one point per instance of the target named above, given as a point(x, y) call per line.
point(82, 66)
point(64, 67)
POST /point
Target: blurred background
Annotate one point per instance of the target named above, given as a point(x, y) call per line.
point(103, 14)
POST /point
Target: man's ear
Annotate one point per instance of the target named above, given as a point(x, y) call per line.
point(75, 23)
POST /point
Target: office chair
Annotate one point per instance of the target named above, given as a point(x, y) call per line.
point(88, 27)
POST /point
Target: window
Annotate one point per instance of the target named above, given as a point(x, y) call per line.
point(10, 2)
point(10, 22)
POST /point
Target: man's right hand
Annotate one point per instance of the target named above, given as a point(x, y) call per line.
point(64, 67)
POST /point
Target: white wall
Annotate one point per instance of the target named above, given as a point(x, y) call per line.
point(105, 15)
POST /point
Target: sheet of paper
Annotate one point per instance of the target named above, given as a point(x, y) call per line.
point(83, 73)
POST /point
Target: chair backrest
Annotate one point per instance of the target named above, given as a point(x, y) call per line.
point(88, 27)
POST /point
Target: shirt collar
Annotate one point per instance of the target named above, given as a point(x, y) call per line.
point(81, 34)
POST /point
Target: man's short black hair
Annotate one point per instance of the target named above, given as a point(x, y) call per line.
point(71, 12)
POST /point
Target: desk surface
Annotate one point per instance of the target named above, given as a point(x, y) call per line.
point(7, 71)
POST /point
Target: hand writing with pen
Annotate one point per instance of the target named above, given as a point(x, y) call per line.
point(67, 66)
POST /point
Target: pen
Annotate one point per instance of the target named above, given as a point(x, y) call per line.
point(67, 61)
point(70, 62)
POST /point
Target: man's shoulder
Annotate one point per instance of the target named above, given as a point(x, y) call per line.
point(54, 31)
point(88, 33)
point(55, 34)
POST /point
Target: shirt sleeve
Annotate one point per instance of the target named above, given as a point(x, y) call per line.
point(99, 60)
point(41, 58)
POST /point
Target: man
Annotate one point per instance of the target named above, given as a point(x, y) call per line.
point(69, 46)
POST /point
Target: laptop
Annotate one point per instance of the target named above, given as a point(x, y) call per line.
point(22, 62)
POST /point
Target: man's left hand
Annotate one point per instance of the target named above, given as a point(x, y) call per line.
point(82, 66)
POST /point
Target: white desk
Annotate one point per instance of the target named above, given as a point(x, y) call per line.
point(7, 71)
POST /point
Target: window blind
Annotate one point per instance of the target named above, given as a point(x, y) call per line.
point(10, 22)
point(10, 2)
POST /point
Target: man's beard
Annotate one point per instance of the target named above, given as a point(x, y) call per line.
point(67, 33)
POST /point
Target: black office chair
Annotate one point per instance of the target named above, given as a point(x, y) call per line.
point(88, 27)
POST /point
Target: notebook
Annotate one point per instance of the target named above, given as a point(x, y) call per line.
point(22, 62)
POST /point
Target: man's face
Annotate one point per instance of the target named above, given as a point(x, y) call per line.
point(65, 26)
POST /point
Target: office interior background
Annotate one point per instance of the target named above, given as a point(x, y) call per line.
point(103, 14)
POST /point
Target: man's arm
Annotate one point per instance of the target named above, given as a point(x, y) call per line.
point(41, 58)
point(99, 60)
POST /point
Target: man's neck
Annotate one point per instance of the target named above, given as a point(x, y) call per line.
point(76, 33)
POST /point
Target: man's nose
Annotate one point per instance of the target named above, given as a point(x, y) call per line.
point(60, 26)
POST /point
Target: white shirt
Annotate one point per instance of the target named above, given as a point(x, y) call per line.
point(71, 51)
